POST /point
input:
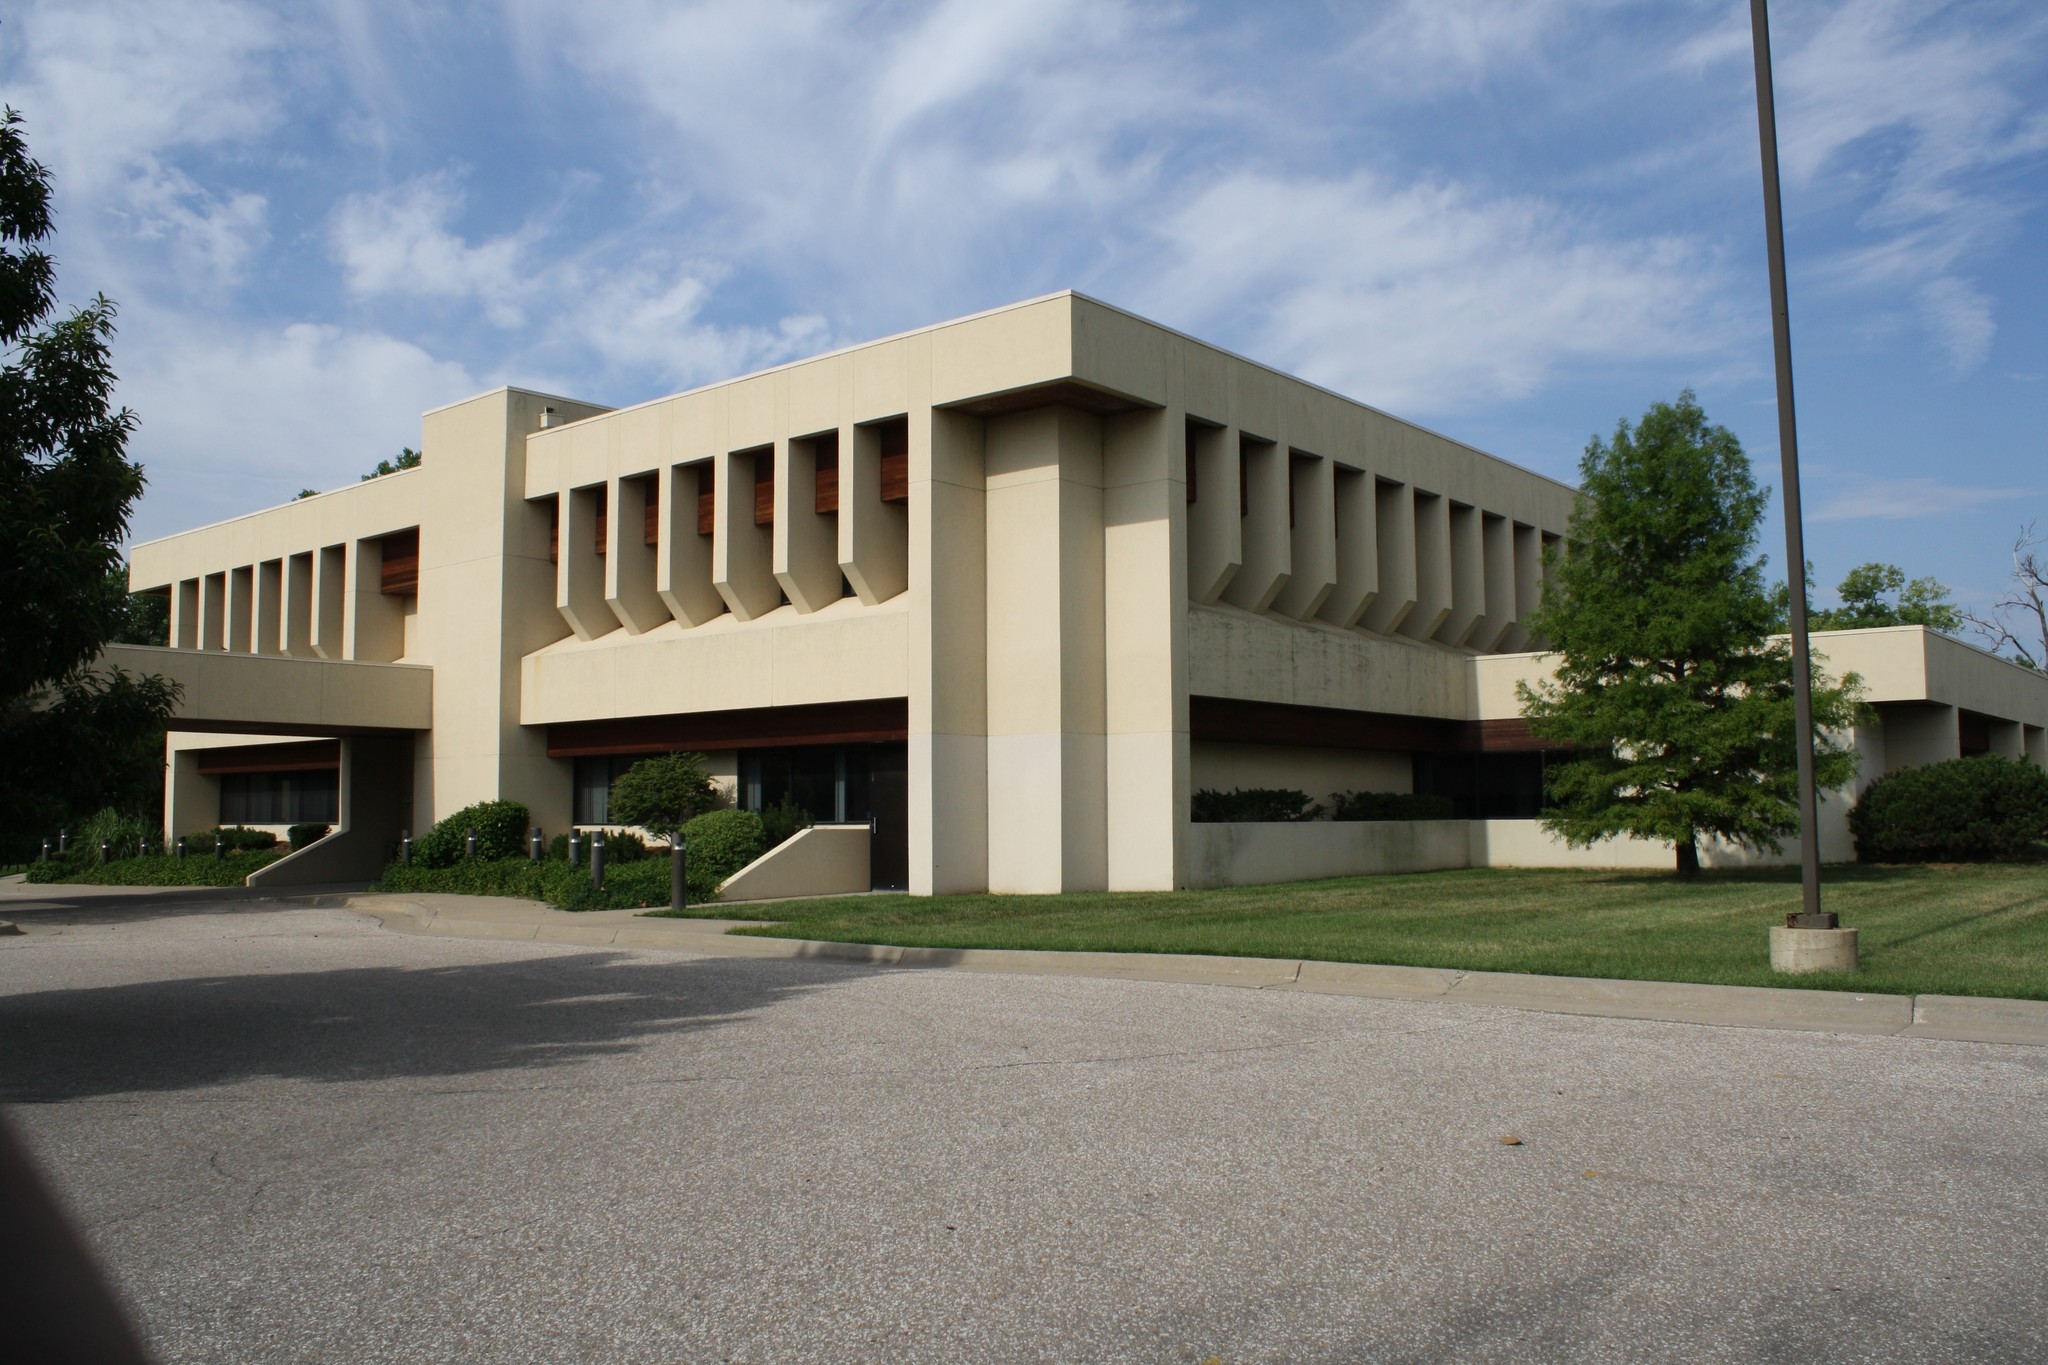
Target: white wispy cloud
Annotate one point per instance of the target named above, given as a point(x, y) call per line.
point(1911, 499)
point(1423, 297)
point(398, 241)
point(1908, 111)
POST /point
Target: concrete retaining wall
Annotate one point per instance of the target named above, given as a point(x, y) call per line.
point(824, 860)
point(1250, 854)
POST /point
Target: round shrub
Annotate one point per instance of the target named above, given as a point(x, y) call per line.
point(500, 833)
point(301, 835)
point(721, 842)
point(1981, 809)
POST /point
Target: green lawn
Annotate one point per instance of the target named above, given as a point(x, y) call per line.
point(1970, 930)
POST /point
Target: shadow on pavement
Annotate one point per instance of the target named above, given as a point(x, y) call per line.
point(372, 1023)
point(61, 904)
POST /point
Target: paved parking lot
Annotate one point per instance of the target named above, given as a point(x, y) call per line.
point(296, 1136)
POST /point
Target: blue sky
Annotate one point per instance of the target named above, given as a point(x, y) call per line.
point(1515, 221)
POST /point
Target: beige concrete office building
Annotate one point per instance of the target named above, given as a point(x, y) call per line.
point(1010, 589)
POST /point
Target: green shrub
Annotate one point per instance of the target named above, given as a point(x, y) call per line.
point(301, 835)
point(782, 820)
point(500, 833)
point(635, 885)
point(662, 794)
point(1982, 809)
point(156, 870)
point(1253, 805)
point(233, 837)
point(1389, 806)
point(623, 846)
point(721, 842)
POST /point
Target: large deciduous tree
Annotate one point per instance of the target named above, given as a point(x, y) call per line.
point(1667, 683)
point(66, 486)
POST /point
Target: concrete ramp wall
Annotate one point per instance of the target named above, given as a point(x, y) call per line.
point(824, 860)
point(376, 787)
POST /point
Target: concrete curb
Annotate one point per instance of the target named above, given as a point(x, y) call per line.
point(1948, 1017)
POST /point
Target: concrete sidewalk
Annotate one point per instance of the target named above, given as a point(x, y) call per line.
point(1957, 1018)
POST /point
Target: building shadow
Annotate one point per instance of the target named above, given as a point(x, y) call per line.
point(375, 1023)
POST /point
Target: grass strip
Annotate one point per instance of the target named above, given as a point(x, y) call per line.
point(1979, 929)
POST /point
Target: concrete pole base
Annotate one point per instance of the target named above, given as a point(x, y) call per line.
point(1812, 950)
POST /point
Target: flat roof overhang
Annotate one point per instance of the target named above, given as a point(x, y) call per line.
point(267, 694)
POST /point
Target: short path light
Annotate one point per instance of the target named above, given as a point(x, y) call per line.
point(678, 880)
point(575, 848)
point(469, 844)
point(534, 845)
point(181, 848)
point(405, 846)
point(597, 860)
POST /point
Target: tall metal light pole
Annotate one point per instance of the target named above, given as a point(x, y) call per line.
point(1810, 916)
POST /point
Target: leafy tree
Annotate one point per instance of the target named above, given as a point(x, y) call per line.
point(663, 794)
point(140, 618)
point(408, 458)
point(305, 493)
point(66, 486)
point(2017, 623)
point(1874, 594)
point(1667, 684)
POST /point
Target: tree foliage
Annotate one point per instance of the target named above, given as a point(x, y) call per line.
point(1881, 595)
point(408, 458)
point(663, 794)
point(1667, 684)
point(66, 486)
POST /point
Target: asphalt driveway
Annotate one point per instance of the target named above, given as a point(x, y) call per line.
point(294, 1136)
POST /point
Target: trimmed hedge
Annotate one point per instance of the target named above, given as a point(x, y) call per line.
point(156, 870)
point(1966, 810)
point(635, 885)
point(1253, 805)
point(500, 833)
point(301, 835)
point(1390, 806)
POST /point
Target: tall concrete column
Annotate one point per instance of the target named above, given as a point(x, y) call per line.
point(487, 599)
point(1358, 552)
point(269, 636)
point(1215, 525)
point(1046, 760)
point(1312, 536)
point(874, 536)
point(1145, 530)
point(185, 614)
point(742, 548)
point(805, 541)
point(213, 611)
point(298, 605)
point(1497, 545)
point(948, 743)
point(1432, 566)
point(683, 559)
point(629, 579)
point(1394, 513)
point(330, 592)
point(579, 567)
point(1263, 488)
point(1468, 575)
point(241, 609)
